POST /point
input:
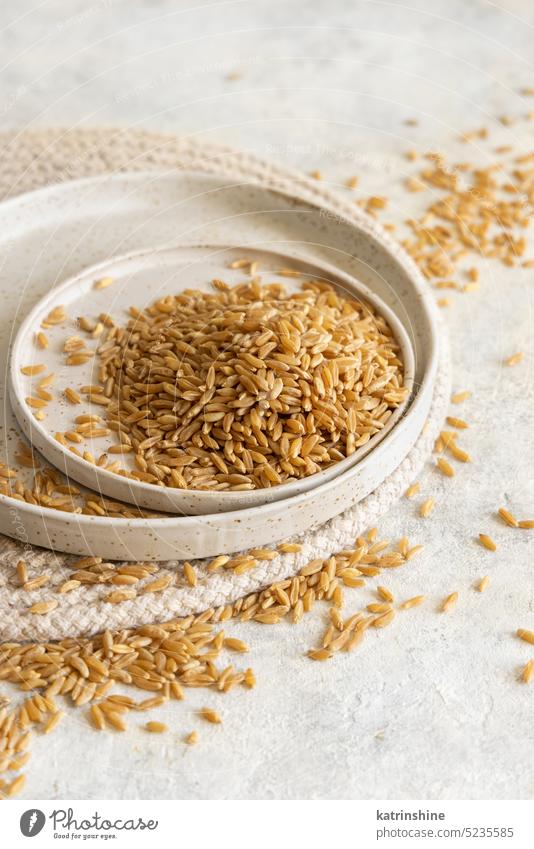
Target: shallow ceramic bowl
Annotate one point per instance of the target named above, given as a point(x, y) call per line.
point(139, 279)
point(55, 233)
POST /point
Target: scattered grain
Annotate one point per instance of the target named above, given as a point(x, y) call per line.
point(507, 517)
point(427, 507)
point(156, 727)
point(458, 423)
point(449, 602)
point(72, 396)
point(43, 607)
point(487, 542)
point(192, 738)
point(445, 467)
point(482, 584)
point(31, 371)
point(528, 672)
point(412, 602)
point(210, 716)
point(103, 283)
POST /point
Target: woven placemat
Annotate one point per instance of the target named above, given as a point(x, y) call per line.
point(34, 159)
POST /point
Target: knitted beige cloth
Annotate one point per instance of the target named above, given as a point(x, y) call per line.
point(34, 159)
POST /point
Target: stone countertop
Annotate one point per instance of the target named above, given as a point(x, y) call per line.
point(430, 708)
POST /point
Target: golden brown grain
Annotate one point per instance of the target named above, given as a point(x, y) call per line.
point(192, 738)
point(36, 583)
point(16, 786)
point(487, 542)
point(458, 423)
point(210, 715)
point(31, 371)
point(413, 184)
point(526, 523)
point(103, 283)
point(445, 467)
point(457, 452)
point(526, 636)
point(427, 507)
point(415, 601)
point(190, 574)
point(514, 359)
point(218, 562)
point(43, 607)
point(158, 585)
point(249, 679)
point(384, 619)
point(52, 721)
point(482, 584)
point(72, 396)
point(114, 719)
point(118, 596)
point(235, 645)
point(413, 551)
point(22, 572)
point(56, 316)
point(528, 672)
point(460, 397)
point(156, 727)
point(507, 517)
point(37, 403)
point(319, 654)
point(412, 490)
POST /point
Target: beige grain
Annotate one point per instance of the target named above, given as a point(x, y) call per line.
point(31, 371)
point(445, 467)
point(528, 672)
point(487, 542)
point(514, 359)
point(508, 518)
point(415, 601)
point(460, 397)
point(449, 602)
point(156, 727)
point(103, 283)
point(210, 715)
point(43, 607)
point(427, 507)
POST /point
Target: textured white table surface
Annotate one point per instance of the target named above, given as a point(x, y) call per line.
point(430, 708)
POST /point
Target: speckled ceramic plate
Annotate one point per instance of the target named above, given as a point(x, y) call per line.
point(139, 279)
point(53, 234)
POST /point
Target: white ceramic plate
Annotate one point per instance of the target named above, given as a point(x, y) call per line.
point(139, 279)
point(55, 233)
